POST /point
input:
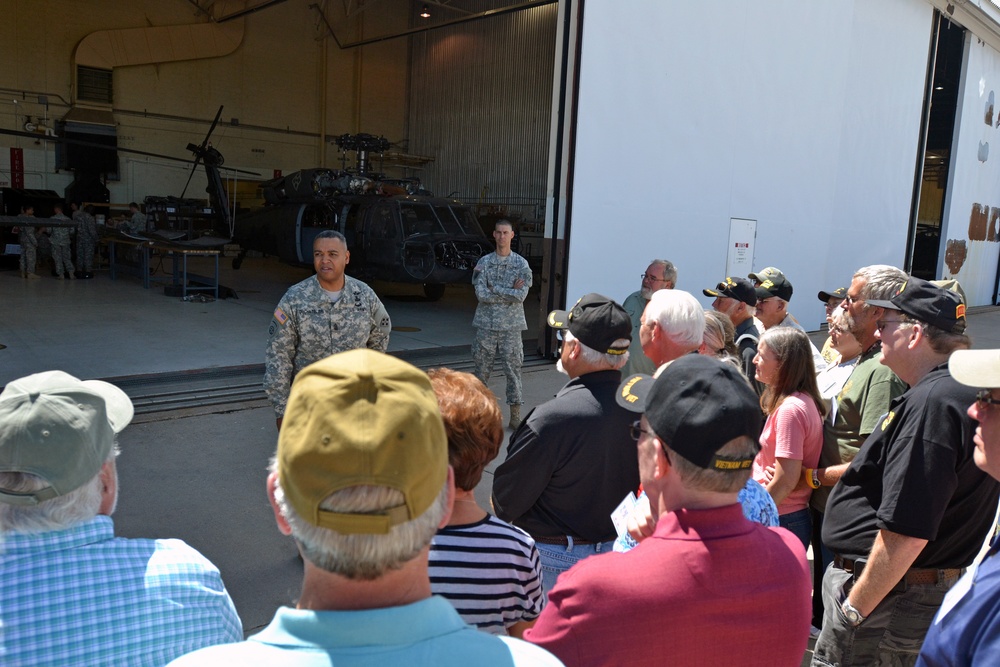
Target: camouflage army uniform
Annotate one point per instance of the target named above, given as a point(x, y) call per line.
point(61, 247)
point(138, 224)
point(86, 240)
point(307, 327)
point(499, 318)
point(29, 249)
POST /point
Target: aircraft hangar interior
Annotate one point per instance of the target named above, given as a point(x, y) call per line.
point(242, 128)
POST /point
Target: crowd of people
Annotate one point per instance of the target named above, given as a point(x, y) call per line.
point(661, 516)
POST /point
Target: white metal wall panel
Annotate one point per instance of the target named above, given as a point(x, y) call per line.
point(970, 236)
point(481, 103)
point(803, 116)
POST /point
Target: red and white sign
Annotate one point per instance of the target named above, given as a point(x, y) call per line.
point(16, 167)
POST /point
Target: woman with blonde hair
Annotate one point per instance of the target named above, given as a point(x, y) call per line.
point(719, 338)
point(793, 433)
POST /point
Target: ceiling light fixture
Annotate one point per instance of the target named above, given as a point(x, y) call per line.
point(425, 13)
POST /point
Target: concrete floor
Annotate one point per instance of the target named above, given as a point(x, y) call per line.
point(101, 328)
point(200, 477)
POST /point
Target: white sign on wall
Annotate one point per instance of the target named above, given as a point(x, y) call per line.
point(742, 232)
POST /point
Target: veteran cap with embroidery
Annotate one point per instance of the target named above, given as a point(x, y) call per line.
point(696, 405)
point(596, 321)
point(926, 302)
point(772, 283)
point(361, 418)
point(60, 429)
point(737, 288)
point(839, 293)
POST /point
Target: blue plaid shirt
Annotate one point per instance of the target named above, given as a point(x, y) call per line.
point(81, 596)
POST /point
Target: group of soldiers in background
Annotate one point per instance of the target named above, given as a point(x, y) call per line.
point(55, 243)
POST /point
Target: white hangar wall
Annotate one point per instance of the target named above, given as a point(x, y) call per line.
point(970, 248)
point(802, 116)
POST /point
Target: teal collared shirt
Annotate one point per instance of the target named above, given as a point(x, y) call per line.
point(428, 632)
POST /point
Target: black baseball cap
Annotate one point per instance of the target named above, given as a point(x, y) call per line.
point(772, 283)
point(839, 293)
point(928, 303)
point(696, 406)
point(737, 288)
point(596, 321)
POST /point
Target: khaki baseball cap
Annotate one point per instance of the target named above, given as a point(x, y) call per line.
point(361, 418)
point(59, 428)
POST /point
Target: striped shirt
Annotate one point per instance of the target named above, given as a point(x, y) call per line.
point(81, 596)
point(489, 571)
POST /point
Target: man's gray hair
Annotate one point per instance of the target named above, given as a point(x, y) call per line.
point(679, 315)
point(362, 556)
point(718, 481)
point(59, 513)
point(598, 359)
point(669, 270)
point(881, 281)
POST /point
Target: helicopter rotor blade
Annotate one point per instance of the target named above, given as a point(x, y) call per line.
point(105, 147)
point(199, 151)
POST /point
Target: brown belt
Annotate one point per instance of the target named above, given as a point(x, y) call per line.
point(914, 576)
point(561, 540)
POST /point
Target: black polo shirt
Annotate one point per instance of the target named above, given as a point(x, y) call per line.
point(570, 463)
point(915, 476)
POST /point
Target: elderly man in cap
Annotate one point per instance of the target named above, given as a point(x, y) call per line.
point(71, 593)
point(572, 462)
point(907, 514)
point(774, 291)
point(831, 301)
point(737, 298)
point(673, 325)
point(708, 587)
point(361, 481)
point(659, 275)
point(859, 407)
point(966, 630)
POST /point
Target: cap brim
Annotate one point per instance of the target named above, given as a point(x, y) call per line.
point(712, 292)
point(888, 305)
point(632, 392)
point(976, 368)
point(117, 404)
point(825, 296)
point(753, 276)
point(558, 319)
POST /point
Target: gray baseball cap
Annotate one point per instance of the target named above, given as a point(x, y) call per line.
point(59, 428)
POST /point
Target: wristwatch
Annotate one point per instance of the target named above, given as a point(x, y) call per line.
point(851, 613)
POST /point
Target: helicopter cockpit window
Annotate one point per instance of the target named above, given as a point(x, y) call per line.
point(463, 217)
point(382, 224)
point(318, 216)
point(419, 219)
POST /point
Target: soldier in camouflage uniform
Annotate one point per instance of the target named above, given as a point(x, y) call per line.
point(322, 315)
point(86, 239)
point(502, 280)
point(137, 224)
point(29, 245)
point(61, 245)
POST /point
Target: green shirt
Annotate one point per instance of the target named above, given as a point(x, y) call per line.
point(860, 405)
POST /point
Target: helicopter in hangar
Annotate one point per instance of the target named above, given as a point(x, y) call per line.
point(396, 231)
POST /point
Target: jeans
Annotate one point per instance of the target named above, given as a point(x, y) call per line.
point(557, 558)
point(822, 557)
point(891, 635)
point(800, 525)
